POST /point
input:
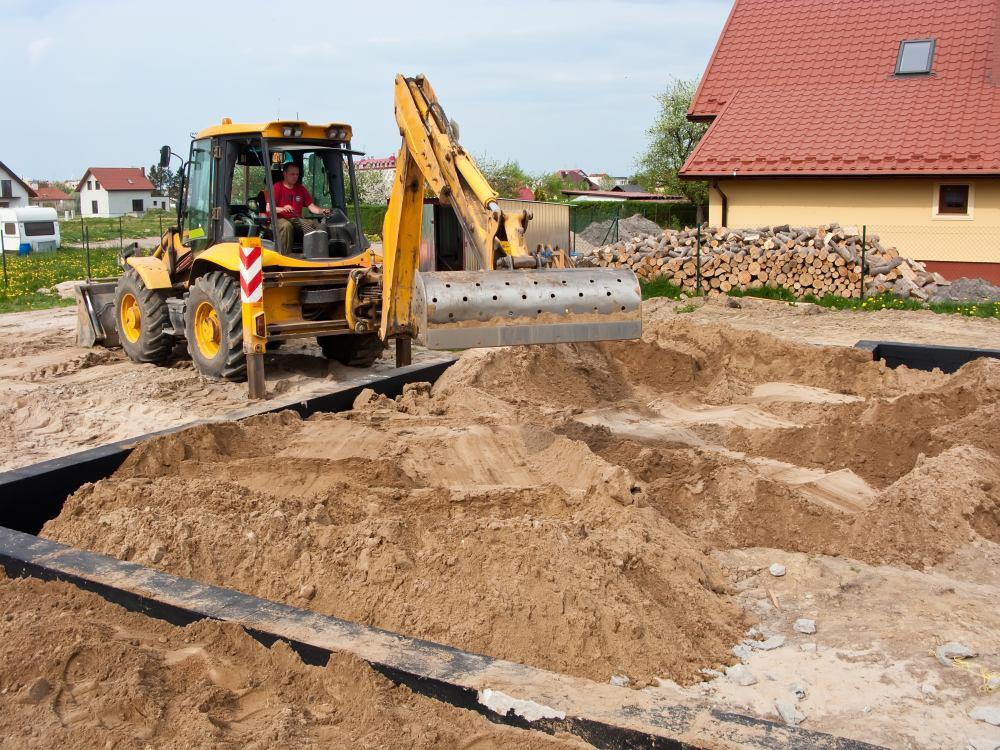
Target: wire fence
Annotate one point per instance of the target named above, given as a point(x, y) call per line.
point(599, 221)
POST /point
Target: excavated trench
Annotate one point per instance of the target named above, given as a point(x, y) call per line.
point(559, 506)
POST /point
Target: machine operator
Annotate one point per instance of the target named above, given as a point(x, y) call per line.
point(290, 197)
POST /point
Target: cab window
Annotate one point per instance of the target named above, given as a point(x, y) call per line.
point(197, 217)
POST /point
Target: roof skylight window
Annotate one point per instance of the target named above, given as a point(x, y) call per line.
point(915, 57)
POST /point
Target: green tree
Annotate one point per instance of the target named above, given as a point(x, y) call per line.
point(549, 187)
point(672, 139)
point(506, 177)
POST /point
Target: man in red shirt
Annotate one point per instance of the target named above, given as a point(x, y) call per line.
point(290, 198)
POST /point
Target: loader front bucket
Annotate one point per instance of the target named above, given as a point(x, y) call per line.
point(466, 309)
point(95, 313)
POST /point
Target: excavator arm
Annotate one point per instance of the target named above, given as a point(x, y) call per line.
point(514, 300)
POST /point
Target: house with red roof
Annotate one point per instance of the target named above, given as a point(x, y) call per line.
point(115, 191)
point(53, 197)
point(876, 113)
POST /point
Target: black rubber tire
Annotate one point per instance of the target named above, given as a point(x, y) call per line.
point(154, 344)
point(222, 292)
point(352, 349)
point(273, 346)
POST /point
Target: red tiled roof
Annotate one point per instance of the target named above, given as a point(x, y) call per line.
point(375, 163)
point(50, 194)
point(807, 87)
point(117, 178)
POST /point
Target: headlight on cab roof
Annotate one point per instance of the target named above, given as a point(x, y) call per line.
point(290, 132)
point(337, 134)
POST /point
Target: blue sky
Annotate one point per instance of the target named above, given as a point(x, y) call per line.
point(552, 83)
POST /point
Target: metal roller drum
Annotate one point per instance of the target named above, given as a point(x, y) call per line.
point(466, 309)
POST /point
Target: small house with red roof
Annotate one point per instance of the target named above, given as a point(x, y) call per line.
point(882, 113)
point(115, 191)
point(53, 197)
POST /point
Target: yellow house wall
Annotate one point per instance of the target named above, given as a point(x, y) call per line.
point(902, 212)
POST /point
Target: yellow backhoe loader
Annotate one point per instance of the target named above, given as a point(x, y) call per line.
point(329, 283)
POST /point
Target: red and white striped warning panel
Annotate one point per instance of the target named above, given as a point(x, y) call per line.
point(251, 274)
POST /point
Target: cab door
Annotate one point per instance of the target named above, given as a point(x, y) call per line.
point(197, 216)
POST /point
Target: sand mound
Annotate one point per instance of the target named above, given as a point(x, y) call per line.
point(505, 540)
point(944, 503)
point(112, 678)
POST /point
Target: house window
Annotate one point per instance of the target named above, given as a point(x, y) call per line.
point(6, 189)
point(953, 199)
point(97, 185)
point(93, 207)
point(90, 184)
point(137, 204)
point(915, 57)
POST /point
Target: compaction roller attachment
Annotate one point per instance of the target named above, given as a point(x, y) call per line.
point(465, 309)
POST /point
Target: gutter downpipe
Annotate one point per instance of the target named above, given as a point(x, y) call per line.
point(725, 202)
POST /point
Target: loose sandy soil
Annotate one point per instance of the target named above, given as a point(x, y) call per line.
point(819, 325)
point(77, 671)
point(57, 398)
point(611, 510)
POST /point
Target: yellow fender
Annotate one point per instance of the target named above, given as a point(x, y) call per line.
point(152, 271)
point(227, 255)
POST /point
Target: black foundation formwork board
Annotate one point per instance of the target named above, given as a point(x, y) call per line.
point(927, 357)
point(605, 715)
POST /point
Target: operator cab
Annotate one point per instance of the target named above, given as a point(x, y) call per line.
point(231, 177)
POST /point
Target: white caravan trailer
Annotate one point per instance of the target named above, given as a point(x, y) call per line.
point(29, 229)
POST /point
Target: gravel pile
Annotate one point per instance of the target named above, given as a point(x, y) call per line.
point(633, 226)
point(965, 290)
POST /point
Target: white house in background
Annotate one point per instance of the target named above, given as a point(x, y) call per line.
point(114, 191)
point(14, 192)
point(160, 201)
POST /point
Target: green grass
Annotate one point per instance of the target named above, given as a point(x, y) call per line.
point(688, 308)
point(663, 288)
point(26, 275)
point(71, 230)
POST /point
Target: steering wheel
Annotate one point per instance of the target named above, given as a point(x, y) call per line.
point(247, 220)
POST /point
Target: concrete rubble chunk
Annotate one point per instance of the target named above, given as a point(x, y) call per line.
point(798, 690)
point(990, 713)
point(983, 743)
point(789, 713)
point(739, 674)
point(769, 644)
point(808, 647)
point(777, 570)
point(742, 651)
point(805, 625)
point(620, 680)
point(954, 650)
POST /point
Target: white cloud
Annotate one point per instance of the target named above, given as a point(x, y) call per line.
point(37, 49)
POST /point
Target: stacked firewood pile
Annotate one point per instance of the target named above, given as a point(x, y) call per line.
point(813, 260)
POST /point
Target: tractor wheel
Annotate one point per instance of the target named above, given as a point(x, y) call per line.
point(142, 319)
point(352, 349)
point(214, 327)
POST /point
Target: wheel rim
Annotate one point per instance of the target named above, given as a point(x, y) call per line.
point(207, 331)
point(130, 316)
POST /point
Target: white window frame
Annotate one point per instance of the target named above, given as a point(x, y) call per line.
point(936, 201)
